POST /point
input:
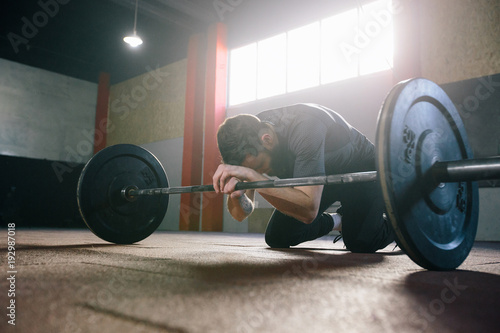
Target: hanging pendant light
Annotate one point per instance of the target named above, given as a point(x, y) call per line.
point(134, 40)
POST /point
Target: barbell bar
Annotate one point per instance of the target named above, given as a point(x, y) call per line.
point(129, 193)
point(466, 170)
point(424, 165)
point(441, 172)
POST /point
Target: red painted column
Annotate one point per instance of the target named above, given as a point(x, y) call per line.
point(101, 113)
point(215, 113)
point(193, 133)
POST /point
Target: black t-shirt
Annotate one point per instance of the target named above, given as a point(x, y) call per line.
point(316, 141)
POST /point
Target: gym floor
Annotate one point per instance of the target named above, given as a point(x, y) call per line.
point(71, 281)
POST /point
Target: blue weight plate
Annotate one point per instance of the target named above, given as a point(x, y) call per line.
point(435, 223)
point(105, 211)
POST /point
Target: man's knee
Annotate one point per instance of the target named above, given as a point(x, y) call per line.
point(358, 246)
point(370, 245)
point(276, 242)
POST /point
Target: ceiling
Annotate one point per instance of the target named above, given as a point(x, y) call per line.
point(81, 38)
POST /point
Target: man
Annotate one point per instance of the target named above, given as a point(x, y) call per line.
point(303, 140)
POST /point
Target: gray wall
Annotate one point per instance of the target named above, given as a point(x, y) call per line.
point(169, 153)
point(45, 115)
point(488, 228)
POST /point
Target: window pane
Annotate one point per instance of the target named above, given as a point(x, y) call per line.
point(243, 74)
point(303, 57)
point(271, 75)
point(376, 37)
point(339, 55)
point(356, 42)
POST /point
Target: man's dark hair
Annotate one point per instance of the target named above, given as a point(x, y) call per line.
point(239, 136)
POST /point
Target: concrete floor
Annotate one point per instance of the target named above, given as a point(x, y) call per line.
point(71, 281)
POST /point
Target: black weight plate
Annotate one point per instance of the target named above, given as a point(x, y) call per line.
point(435, 223)
point(101, 204)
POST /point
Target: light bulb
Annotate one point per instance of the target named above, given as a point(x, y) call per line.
point(133, 40)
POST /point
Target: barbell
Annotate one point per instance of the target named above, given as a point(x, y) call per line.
point(424, 165)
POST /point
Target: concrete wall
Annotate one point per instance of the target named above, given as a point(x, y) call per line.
point(45, 115)
point(149, 107)
point(488, 228)
point(169, 153)
point(460, 39)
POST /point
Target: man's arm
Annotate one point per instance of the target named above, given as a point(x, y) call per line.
point(241, 205)
point(301, 203)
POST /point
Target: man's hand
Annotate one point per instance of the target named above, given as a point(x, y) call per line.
point(239, 203)
point(229, 188)
point(227, 176)
point(301, 203)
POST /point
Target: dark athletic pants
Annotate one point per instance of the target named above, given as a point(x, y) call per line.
point(364, 229)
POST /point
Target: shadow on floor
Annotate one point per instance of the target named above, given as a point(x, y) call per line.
point(21, 247)
point(458, 300)
point(298, 263)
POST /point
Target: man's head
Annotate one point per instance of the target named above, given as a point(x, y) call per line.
point(245, 140)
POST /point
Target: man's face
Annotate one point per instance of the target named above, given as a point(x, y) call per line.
point(260, 163)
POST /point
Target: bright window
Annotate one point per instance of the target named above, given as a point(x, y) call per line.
point(376, 52)
point(243, 69)
point(336, 65)
point(353, 43)
point(271, 70)
point(303, 57)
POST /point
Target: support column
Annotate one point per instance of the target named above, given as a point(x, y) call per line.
point(215, 113)
point(101, 113)
point(193, 133)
